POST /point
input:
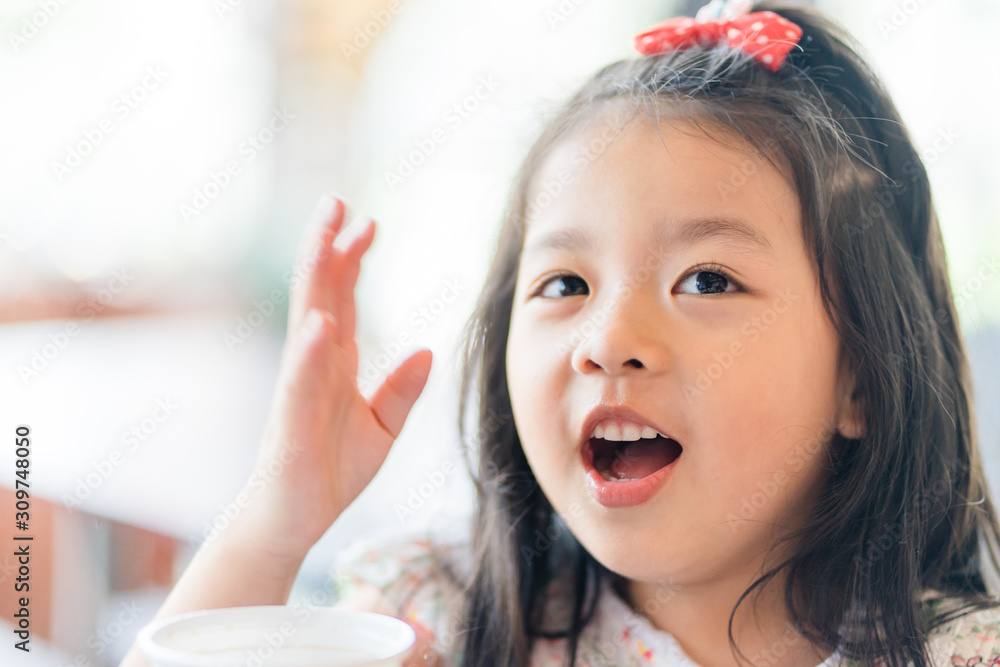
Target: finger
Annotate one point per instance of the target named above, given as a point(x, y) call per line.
point(316, 245)
point(331, 285)
point(314, 249)
point(314, 235)
point(332, 282)
point(394, 398)
point(299, 375)
point(345, 283)
point(308, 370)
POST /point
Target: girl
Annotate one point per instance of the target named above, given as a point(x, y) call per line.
point(737, 409)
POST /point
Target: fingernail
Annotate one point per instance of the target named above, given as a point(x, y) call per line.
point(331, 195)
point(353, 230)
point(321, 212)
point(335, 195)
point(324, 209)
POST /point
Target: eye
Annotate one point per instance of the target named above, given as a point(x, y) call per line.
point(709, 279)
point(573, 283)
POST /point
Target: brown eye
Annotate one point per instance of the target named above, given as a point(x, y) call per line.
point(708, 281)
point(566, 285)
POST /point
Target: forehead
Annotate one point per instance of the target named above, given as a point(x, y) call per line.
point(612, 150)
point(614, 171)
point(613, 138)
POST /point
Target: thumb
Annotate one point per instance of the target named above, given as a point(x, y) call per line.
point(423, 654)
point(395, 397)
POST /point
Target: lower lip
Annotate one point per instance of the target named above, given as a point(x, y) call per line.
point(626, 494)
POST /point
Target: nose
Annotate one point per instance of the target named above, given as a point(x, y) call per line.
point(625, 336)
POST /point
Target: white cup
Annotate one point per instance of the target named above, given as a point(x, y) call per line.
point(277, 636)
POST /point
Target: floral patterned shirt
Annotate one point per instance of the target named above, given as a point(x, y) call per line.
point(403, 576)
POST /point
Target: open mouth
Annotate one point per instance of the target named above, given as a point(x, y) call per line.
point(627, 461)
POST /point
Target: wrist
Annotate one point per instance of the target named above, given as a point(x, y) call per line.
point(258, 555)
point(253, 533)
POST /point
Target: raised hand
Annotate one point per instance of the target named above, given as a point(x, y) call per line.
point(330, 441)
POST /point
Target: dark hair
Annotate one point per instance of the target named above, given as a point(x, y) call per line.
point(905, 508)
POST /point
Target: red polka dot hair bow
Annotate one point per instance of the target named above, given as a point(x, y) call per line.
point(766, 36)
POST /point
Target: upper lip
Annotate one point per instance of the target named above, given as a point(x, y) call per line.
point(602, 412)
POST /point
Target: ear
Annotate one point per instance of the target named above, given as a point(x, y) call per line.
point(850, 417)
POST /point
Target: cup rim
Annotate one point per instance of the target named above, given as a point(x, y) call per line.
point(154, 651)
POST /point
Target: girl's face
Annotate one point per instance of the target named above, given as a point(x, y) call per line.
point(668, 274)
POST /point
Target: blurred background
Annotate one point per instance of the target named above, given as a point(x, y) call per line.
point(158, 163)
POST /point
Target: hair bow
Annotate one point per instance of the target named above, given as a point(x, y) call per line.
point(766, 36)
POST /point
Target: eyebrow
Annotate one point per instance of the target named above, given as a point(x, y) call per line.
point(734, 233)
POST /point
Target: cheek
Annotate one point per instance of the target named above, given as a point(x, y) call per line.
point(765, 421)
point(523, 372)
point(532, 383)
point(775, 366)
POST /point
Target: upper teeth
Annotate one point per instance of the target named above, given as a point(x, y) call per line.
point(628, 431)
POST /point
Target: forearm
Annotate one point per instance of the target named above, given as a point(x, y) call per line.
point(234, 570)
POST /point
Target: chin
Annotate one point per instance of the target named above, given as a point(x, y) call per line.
point(630, 552)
